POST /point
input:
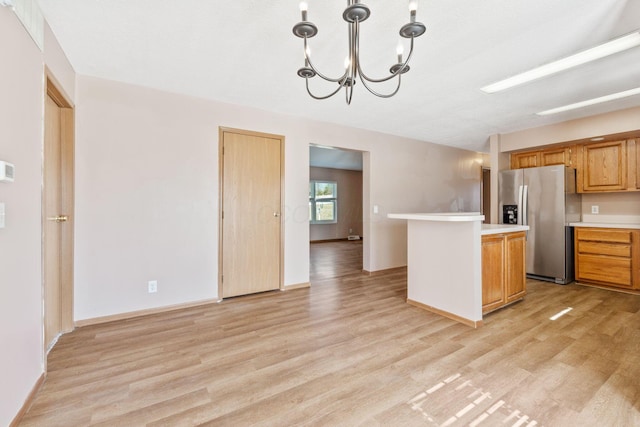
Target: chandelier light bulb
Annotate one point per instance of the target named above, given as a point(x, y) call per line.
point(400, 51)
point(413, 7)
point(303, 10)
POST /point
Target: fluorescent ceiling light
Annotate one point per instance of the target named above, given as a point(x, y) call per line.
point(593, 101)
point(614, 46)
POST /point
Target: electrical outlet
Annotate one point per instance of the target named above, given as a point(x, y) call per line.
point(595, 209)
point(153, 286)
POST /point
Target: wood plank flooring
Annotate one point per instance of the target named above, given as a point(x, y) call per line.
point(335, 259)
point(349, 351)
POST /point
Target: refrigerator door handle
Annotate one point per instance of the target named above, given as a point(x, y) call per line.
point(525, 197)
point(519, 215)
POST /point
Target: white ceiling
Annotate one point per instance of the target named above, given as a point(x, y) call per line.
point(329, 157)
point(244, 52)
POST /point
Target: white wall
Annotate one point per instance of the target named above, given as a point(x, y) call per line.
point(21, 138)
point(147, 192)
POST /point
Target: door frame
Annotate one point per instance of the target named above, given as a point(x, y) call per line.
point(221, 131)
point(67, 140)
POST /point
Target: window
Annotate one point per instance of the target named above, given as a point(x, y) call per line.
point(323, 202)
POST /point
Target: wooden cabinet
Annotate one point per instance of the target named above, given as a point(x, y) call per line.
point(608, 257)
point(636, 148)
point(546, 157)
point(503, 269)
point(604, 167)
point(558, 156)
point(600, 166)
point(525, 160)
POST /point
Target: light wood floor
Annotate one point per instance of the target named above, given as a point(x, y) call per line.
point(352, 352)
point(334, 259)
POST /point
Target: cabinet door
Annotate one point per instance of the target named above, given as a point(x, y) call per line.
point(530, 159)
point(515, 283)
point(637, 171)
point(605, 166)
point(492, 272)
point(557, 156)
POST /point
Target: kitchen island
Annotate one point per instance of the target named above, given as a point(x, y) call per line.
point(444, 262)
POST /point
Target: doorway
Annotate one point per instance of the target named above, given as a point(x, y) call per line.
point(251, 197)
point(336, 226)
point(57, 214)
point(485, 195)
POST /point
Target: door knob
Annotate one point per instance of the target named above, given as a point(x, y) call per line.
point(59, 218)
point(276, 214)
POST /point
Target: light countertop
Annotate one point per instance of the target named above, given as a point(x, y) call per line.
point(603, 225)
point(502, 228)
point(439, 216)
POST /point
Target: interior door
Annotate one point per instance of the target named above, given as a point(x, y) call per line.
point(251, 249)
point(57, 210)
point(53, 222)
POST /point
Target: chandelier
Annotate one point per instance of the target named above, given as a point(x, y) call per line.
point(354, 14)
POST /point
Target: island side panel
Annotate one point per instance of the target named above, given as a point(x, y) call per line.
point(444, 267)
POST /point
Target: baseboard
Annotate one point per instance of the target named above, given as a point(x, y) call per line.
point(609, 288)
point(468, 322)
point(28, 401)
point(139, 313)
point(345, 239)
point(385, 271)
point(297, 286)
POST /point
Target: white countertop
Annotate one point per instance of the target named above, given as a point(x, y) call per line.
point(439, 216)
point(603, 225)
point(502, 228)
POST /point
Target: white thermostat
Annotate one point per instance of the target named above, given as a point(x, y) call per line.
point(7, 172)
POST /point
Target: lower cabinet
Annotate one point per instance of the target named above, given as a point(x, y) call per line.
point(608, 257)
point(503, 269)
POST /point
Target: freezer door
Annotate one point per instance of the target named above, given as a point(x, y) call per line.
point(545, 188)
point(509, 191)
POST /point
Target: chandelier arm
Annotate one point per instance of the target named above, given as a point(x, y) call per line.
point(320, 98)
point(382, 95)
point(397, 73)
point(329, 79)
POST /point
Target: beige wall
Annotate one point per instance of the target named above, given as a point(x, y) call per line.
point(603, 124)
point(147, 192)
point(611, 204)
point(21, 115)
point(349, 204)
point(623, 204)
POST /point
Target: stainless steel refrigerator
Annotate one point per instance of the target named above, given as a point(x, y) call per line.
point(545, 199)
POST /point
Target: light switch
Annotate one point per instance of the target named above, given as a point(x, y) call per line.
point(375, 209)
point(1, 215)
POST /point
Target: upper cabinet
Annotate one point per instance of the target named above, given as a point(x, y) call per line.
point(530, 159)
point(604, 167)
point(636, 147)
point(558, 156)
point(546, 157)
point(600, 166)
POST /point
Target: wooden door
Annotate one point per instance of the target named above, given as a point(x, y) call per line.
point(57, 212)
point(251, 248)
point(530, 159)
point(493, 253)
point(557, 156)
point(605, 166)
point(516, 278)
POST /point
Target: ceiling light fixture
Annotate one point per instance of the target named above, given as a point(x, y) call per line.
point(354, 14)
point(614, 46)
point(593, 101)
point(6, 3)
